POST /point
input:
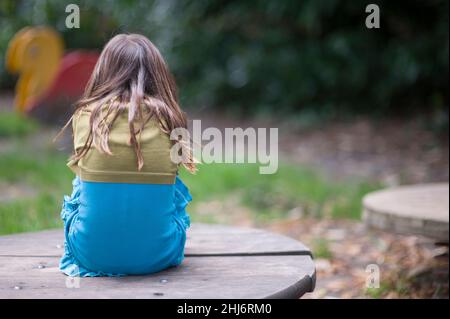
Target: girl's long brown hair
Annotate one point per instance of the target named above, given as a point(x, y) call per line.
point(130, 71)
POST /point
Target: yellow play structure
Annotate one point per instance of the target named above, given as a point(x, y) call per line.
point(34, 53)
point(50, 80)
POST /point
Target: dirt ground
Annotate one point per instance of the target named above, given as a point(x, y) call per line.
point(409, 266)
point(393, 153)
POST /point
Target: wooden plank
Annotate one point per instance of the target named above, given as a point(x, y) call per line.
point(221, 239)
point(205, 277)
point(42, 243)
point(414, 209)
point(203, 239)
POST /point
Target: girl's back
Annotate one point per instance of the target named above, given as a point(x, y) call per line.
point(126, 214)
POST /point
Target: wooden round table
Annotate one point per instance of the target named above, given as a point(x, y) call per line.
point(416, 209)
point(221, 262)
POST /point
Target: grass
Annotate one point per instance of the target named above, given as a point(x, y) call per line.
point(45, 170)
point(13, 124)
point(267, 197)
point(40, 212)
point(273, 196)
point(321, 248)
point(47, 174)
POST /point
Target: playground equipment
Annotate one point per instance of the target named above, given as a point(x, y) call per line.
point(49, 81)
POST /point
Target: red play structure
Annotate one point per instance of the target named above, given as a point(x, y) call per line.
point(68, 85)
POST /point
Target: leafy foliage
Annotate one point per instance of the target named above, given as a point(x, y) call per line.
point(269, 55)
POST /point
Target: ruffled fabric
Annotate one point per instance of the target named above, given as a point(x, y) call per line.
point(182, 199)
point(71, 266)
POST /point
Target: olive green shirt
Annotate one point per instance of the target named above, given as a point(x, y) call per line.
point(121, 167)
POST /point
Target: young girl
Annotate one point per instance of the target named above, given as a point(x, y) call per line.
point(126, 214)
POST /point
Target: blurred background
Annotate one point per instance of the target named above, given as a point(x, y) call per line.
point(357, 109)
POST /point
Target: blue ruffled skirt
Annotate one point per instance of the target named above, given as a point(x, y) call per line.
point(117, 229)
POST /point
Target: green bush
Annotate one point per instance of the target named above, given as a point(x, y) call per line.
point(270, 55)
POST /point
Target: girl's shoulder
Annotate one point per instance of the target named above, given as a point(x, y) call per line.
point(82, 118)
